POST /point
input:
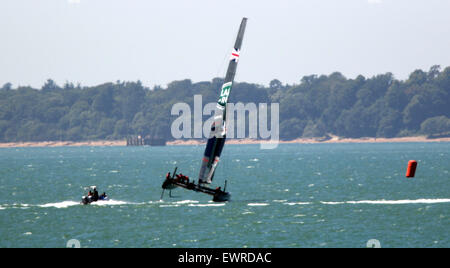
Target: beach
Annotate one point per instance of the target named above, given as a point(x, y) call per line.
point(63, 143)
point(333, 139)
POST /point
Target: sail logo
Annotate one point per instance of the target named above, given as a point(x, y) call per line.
point(224, 94)
point(259, 122)
point(235, 55)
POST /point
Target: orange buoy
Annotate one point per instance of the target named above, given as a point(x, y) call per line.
point(411, 171)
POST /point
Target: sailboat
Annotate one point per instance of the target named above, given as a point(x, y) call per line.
point(217, 137)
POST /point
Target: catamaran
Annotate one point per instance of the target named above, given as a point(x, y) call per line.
point(216, 139)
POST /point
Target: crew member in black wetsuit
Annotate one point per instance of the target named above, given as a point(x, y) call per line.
point(95, 195)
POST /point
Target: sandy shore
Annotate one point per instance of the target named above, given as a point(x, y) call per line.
point(62, 143)
point(229, 141)
point(320, 140)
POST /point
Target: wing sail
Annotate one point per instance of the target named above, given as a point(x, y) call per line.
point(217, 136)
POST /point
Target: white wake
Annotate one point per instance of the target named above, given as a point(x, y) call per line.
point(391, 202)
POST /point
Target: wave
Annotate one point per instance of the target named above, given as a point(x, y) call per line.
point(194, 203)
point(186, 202)
point(297, 203)
point(64, 204)
point(168, 206)
point(190, 203)
point(257, 204)
point(391, 202)
point(208, 205)
point(112, 202)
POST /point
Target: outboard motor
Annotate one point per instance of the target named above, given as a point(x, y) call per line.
point(85, 200)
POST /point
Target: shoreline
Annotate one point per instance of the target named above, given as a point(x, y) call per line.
point(334, 139)
point(230, 141)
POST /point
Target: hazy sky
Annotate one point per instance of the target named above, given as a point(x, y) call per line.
point(158, 41)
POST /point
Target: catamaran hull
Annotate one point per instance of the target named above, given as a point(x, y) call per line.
point(167, 185)
point(217, 194)
point(222, 197)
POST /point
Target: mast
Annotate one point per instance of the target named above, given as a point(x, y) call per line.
point(217, 137)
point(232, 66)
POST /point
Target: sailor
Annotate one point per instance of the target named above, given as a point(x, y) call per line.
point(168, 176)
point(90, 193)
point(218, 189)
point(95, 195)
point(191, 185)
point(103, 196)
point(184, 178)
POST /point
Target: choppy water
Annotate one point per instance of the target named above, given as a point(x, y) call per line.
point(319, 195)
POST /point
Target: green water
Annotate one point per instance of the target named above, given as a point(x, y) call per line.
point(319, 195)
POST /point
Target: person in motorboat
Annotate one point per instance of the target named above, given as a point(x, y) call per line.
point(95, 195)
point(87, 199)
point(103, 196)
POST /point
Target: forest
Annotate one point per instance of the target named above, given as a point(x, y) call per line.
point(379, 106)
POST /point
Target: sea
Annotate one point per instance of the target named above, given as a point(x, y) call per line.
point(297, 195)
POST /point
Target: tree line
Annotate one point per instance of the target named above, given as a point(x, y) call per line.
point(380, 106)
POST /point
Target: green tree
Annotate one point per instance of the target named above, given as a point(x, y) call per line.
point(436, 125)
point(7, 87)
point(50, 85)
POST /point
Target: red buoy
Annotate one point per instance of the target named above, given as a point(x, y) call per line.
point(411, 171)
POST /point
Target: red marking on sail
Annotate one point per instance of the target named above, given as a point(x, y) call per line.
point(235, 55)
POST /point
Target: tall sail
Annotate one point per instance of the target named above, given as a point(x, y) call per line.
point(217, 136)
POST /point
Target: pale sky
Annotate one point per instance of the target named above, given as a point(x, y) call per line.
point(159, 41)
